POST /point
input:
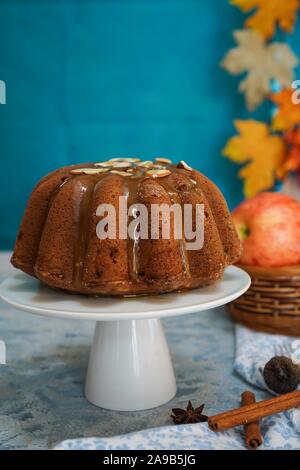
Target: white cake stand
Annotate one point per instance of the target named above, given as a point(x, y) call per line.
point(130, 367)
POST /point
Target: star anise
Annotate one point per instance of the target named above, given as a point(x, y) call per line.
point(190, 415)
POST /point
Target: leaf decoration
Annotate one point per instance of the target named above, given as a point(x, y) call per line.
point(269, 14)
point(288, 114)
point(292, 161)
point(263, 152)
point(263, 62)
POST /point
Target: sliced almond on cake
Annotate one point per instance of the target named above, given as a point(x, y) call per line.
point(163, 160)
point(184, 165)
point(88, 171)
point(121, 164)
point(125, 159)
point(103, 164)
point(146, 164)
point(158, 173)
point(121, 173)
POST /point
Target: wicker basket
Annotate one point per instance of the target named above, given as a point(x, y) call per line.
point(272, 303)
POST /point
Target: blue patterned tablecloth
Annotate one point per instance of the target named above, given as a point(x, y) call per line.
point(41, 387)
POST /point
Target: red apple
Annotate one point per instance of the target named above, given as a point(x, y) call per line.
point(269, 227)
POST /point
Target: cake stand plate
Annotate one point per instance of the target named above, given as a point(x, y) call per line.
point(130, 367)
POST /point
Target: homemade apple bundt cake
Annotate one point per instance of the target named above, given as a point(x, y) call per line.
point(58, 241)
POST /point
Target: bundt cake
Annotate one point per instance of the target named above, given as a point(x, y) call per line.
point(58, 241)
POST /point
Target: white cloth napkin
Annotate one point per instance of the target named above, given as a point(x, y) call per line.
point(280, 431)
point(254, 350)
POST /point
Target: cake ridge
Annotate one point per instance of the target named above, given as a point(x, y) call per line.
point(175, 198)
point(132, 188)
point(82, 230)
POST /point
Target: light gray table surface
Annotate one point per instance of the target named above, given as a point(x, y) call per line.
point(41, 385)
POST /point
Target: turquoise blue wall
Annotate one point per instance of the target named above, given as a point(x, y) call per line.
point(87, 80)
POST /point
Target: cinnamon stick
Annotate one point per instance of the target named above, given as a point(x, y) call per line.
point(254, 412)
point(253, 435)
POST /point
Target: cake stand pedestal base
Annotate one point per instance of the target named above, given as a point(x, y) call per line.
point(130, 366)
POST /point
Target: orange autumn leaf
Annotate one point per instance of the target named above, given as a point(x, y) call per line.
point(288, 113)
point(263, 152)
point(292, 160)
point(269, 14)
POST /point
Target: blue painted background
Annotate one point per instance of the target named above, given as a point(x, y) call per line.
point(91, 79)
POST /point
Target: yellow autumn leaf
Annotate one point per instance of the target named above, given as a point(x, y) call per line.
point(262, 151)
point(263, 62)
point(269, 14)
point(287, 114)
